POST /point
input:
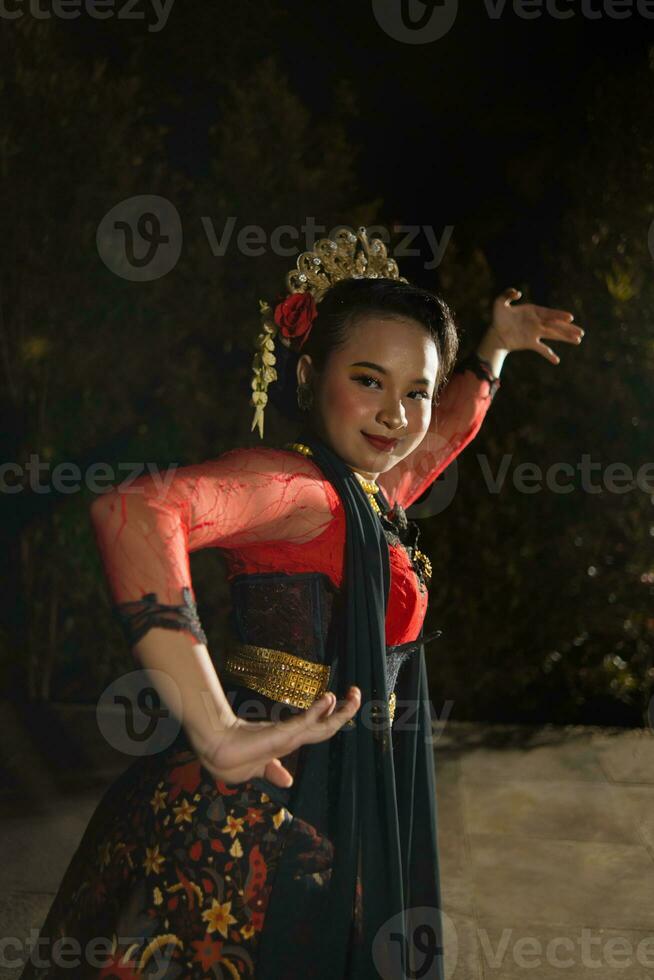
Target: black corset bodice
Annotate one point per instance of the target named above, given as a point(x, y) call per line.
point(297, 613)
point(287, 612)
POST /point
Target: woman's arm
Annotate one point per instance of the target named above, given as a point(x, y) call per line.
point(145, 534)
point(146, 531)
point(455, 421)
point(229, 747)
point(464, 401)
point(492, 352)
point(185, 675)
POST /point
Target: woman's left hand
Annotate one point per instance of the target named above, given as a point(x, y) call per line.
point(523, 327)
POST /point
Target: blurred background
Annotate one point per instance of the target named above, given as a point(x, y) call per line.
point(523, 145)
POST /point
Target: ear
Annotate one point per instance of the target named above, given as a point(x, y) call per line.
point(304, 369)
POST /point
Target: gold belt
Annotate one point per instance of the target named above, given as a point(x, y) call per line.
point(281, 676)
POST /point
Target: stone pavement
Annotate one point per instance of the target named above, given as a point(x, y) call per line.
point(547, 851)
point(546, 840)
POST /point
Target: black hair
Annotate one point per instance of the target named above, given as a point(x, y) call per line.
point(341, 306)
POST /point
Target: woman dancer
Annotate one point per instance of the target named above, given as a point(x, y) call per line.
point(302, 843)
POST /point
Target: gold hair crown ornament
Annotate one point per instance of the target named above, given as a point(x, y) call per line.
point(346, 256)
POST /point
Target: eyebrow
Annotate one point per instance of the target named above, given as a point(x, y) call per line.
point(378, 367)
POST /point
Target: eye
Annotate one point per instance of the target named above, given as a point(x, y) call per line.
point(364, 378)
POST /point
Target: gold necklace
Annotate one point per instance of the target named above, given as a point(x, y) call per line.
point(369, 486)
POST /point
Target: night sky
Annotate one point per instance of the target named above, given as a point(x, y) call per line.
point(444, 128)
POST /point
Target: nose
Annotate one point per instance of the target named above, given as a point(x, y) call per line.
point(392, 414)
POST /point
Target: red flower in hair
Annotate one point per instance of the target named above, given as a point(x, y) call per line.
point(295, 315)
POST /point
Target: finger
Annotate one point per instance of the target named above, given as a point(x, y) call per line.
point(331, 705)
point(258, 743)
point(255, 742)
point(317, 723)
point(569, 333)
point(277, 773)
point(547, 352)
point(329, 722)
point(510, 295)
point(547, 313)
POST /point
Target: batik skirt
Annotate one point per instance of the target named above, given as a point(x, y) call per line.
point(173, 876)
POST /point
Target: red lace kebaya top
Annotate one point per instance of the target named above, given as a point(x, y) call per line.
point(271, 509)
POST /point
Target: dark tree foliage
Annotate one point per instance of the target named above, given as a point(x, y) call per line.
point(547, 604)
point(544, 595)
point(99, 369)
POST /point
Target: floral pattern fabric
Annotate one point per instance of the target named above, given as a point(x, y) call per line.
point(173, 876)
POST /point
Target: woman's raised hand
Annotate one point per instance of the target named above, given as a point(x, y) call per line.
point(254, 748)
point(524, 327)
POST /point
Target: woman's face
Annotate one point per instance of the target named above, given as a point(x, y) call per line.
point(380, 383)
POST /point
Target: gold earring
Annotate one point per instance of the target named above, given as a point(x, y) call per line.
point(304, 396)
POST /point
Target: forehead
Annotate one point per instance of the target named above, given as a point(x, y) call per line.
point(399, 344)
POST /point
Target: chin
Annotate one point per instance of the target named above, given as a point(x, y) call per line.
point(375, 464)
point(386, 464)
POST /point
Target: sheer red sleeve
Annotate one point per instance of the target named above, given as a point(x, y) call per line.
point(146, 531)
point(455, 422)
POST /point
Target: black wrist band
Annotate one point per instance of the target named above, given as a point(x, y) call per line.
point(137, 617)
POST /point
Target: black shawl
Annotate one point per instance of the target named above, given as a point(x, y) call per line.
point(370, 789)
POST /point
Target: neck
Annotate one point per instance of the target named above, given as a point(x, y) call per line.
point(366, 475)
point(309, 431)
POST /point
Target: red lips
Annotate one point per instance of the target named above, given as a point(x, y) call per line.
point(380, 442)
